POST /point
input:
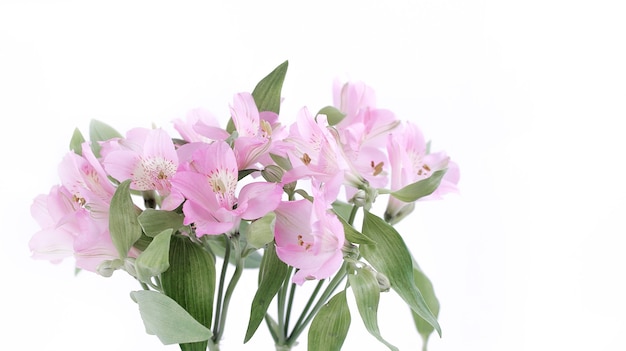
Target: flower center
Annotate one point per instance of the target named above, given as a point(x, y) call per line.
point(153, 173)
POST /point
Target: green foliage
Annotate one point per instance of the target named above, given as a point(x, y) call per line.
point(154, 221)
point(123, 223)
point(190, 281)
point(419, 189)
point(272, 274)
point(330, 326)
point(267, 93)
point(367, 294)
point(99, 131)
point(333, 115)
point(426, 287)
point(155, 259)
point(391, 257)
point(76, 143)
point(166, 319)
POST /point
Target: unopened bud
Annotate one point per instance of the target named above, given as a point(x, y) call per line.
point(350, 251)
point(106, 268)
point(360, 198)
point(273, 173)
point(383, 282)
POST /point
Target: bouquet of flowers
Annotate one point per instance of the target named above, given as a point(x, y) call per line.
point(178, 212)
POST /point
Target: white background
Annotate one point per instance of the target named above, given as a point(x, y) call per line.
point(526, 96)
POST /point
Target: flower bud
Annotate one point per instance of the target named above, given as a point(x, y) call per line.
point(383, 282)
point(273, 173)
point(106, 268)
point(350, 251)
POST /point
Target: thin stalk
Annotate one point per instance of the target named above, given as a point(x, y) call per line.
point(218, 303)
point(325, 296)
point(230, 289)
point(282, 293)
point(309, 303)
point(292, 294)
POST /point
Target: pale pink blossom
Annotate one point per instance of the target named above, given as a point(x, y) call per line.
point(146, 156)
point(309, 237)
point(200, 125)
point(411, 162)
point(209, 184)
point(256, 132)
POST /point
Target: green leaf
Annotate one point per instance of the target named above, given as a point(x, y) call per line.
point(426, 287)
point(164, 318)
point(272, 274)
point(260, 232)
point(217, 243)
point(99, 131)
point(244, 172)
point(367, 294)
point(76, 143)
point(123, 224)
point(267, 92)
point(333, 115)
point(391, 257)
point(420, 188)
point(155, 259)
point(330, 326)
point(154, 221)
point(282, 162)
point(190, 281)
point(353, 235)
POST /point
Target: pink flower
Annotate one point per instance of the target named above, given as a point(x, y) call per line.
point(314, 152)
point(146, 156)
point(209, 184)
point(74, 216)
point(200, 125)
point(255, 132)
point(309, 237)
point(411, 162)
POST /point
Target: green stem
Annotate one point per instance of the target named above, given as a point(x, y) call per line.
point(218, 302)
point(292, 294)
point(325, 296)
point(230, 289)
point(282, 293)
point(304, 312)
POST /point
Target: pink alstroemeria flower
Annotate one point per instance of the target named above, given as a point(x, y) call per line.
point(309, 236)
point(411, 162)
point(209, 184)
point(255, 132)
point(146, 156)
point(315, 153)
point(74, 216)
point(200, 125)
point(363, 131)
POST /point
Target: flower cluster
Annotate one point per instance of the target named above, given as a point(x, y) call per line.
point(259, 183)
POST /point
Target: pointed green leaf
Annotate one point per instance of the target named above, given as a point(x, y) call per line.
point(342, 209)
point(261, 232)
point(272, 274)
point(164, 318)
point(333, 115)
point(353, 235)
point(426, 287)
point(217, 243)
point(123, 224)
point(420, 188)
point(267, 93)
point(282, 162)
point(367, 294)
point(99, 131)
point(391, 257)
point(330, 326)
point(190, 281)
point(155, 259)
point(76, 143)
point(154, 221)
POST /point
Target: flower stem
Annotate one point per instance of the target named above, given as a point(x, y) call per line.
point(299, 328)
point(292, 294)
point(220, 290)
point(282, 293)
point(230, 289)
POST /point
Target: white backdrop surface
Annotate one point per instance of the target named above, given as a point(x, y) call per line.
point(527, 97)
